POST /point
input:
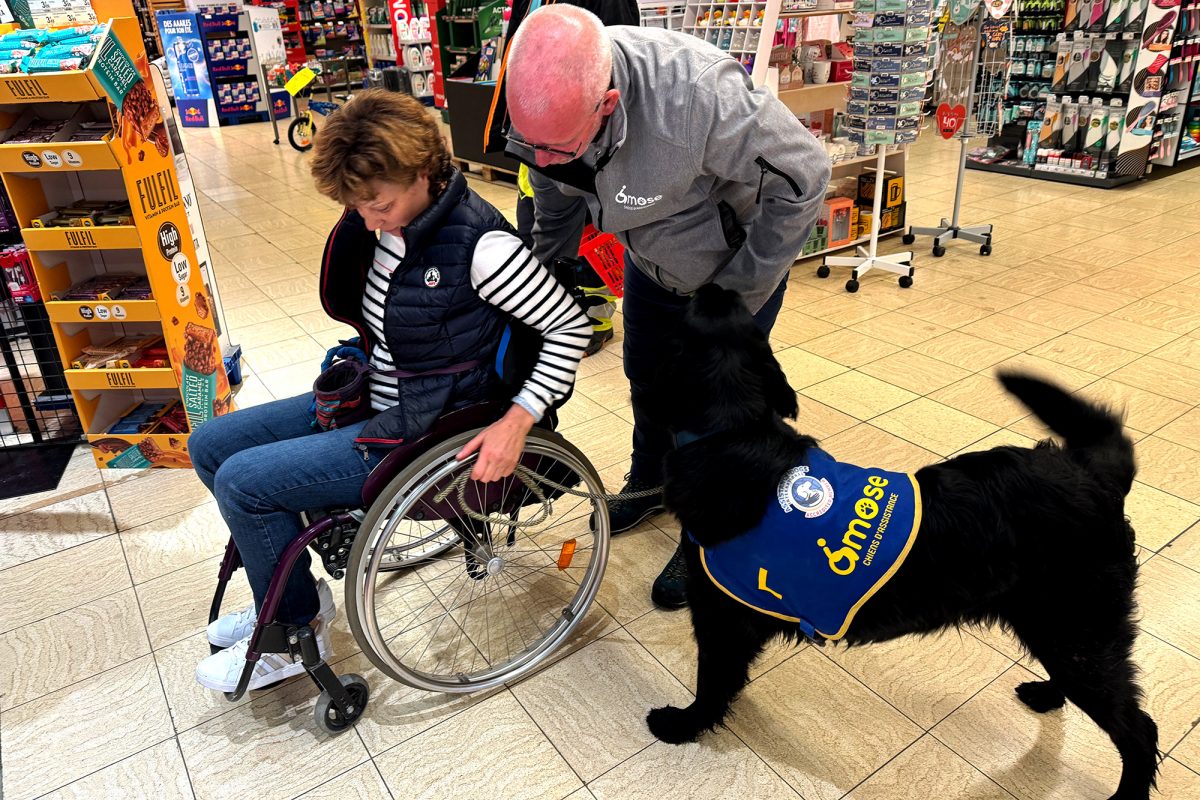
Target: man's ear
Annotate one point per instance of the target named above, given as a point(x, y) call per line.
point(609, 103)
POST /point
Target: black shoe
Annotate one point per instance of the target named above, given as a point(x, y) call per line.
point(670, 587)
point(598, 340)
point(626, 514)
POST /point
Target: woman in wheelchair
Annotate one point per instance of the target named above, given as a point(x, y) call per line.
point(429, 274)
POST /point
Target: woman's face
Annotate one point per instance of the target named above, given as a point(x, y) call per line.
point(395, 206)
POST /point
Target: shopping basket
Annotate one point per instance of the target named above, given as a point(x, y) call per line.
point(606, 256)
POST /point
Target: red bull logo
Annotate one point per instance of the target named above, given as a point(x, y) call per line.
point(280, 105)
point(192, 113)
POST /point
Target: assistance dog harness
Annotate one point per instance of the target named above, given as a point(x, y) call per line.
point(831, 538)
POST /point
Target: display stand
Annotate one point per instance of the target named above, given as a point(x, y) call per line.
point(133, 163)
point(985, 77)
point(868, 257)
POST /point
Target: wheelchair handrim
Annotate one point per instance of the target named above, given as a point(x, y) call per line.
point(362, 587)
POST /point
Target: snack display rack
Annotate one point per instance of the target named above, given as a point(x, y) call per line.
point(102, 204)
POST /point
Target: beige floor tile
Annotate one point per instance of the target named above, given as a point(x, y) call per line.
point(925, 770)
point(606, 359)
point(190, 703)
point(965, 351)
point(1052, 314)
point(254, 314)
point(1185, 430)
point(617, 681)
point(792, 328)
point(1169, 598)
point(1084, 354)
point(849, 347)
point(1143, 410)
point(1001, 438)
point(988, 298)
point(1127, 280)
point(609, 389)
point(819, 420)
point(1062, 754)
point(252, 337)
point(936, 281)
point(46, 656)
point(510, 758)
point(818, 727)
point(1185, 350)
point(55, 740)
point(299, 350)
point(156, 772)
point(314, 322)
point(1018, 334)
point(1169, 467)
point(634, 561)
point(1158, 517)
point(174, 542)
point(802, 368)
point(252, 392)
point(1125, 334)
point(290, 381)
point(842, 309)
point(1026, 279)
point(900, 329)
point(866, 444)
point(859, 395)
point(1188, 751)
point(361, 783)
point(1177, 782)
point(275, 733)
point(276, 287)
point(915, 372)
point(933, 426)
point(1069, 378)
point(48, 530)
point(154, 494)
point(1091, 298)
point(925, 677)
point(982, 397)
point(243, 298)
point(1186, 548)
point(730, 770)
point(80, 477)
point(604, 440)
point(1162, 377)
point(50, 585)
point(1170, 679)
point(176, 605)
point(1164, 316)
point(577, 410)
point(669, 638)
point(944, 311)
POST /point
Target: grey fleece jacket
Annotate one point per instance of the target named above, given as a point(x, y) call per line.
point(702, 177)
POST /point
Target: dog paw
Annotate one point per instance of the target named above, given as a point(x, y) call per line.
point(674, 725)
point(1041, 696)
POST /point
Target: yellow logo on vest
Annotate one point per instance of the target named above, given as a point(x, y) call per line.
point(844, 560)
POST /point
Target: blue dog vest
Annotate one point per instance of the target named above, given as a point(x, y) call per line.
point(831, 538)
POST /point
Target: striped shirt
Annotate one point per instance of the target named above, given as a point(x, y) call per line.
point(506, 275)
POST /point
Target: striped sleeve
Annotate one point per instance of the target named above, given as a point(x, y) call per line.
point(506, 275)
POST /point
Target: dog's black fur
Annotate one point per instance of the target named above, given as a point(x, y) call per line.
point(1033, 539)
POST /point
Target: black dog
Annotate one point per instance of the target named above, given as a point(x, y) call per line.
point(1033, 539)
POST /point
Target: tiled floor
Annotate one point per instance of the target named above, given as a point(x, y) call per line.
point(105, 583)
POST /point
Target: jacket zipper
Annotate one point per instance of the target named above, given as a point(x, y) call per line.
point(764, 167)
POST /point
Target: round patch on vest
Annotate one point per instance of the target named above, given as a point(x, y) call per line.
point(803, 492)
point(432, 277)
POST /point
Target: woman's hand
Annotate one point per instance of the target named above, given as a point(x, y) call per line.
point(500, 446)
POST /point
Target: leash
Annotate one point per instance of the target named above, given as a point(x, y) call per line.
point(531, 480)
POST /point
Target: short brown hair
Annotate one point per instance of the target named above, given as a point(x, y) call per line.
point(378, 135)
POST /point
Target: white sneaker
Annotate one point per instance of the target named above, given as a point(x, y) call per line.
point(237, 625)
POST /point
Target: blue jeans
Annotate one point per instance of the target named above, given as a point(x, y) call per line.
point(652, 313)
point(266, 464)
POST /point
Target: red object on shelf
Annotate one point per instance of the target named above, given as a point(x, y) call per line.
point(607, 256)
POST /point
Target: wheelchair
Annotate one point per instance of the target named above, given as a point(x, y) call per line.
point(437, 598)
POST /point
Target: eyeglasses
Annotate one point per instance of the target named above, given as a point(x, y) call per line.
point(513, 136)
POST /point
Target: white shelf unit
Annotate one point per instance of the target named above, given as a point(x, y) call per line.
point(661, 14)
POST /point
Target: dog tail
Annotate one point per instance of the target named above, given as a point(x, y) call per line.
point(1091, 430)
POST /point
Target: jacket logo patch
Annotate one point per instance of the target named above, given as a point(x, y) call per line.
point(803, 492)
point(432, 277)
point(632, 202)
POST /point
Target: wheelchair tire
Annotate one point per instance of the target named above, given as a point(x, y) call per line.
point(506, 573)
point(327, 715)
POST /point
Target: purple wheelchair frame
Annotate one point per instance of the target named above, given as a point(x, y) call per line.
point(299, 641)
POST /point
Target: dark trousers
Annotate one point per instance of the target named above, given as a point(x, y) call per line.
point(652, 314)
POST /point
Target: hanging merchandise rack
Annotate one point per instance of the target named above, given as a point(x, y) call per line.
point(972, 84)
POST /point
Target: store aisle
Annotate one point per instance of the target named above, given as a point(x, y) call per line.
point(106, 582)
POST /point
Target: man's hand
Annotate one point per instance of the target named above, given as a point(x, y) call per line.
point(500, 446)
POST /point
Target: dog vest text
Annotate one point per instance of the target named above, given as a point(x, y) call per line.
point(831, 538)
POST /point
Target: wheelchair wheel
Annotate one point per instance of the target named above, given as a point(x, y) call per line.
point(495, 604)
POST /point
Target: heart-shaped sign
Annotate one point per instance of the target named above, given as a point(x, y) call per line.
point(950, 120)
point(998, 8)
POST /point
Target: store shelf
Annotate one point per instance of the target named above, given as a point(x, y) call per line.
point(88, 379)
point(1189, 154)
point(113, 311)
point(379, 26)
point(102, 237)
point(72, 156)
point(142, 449)
point(64, 87)
point(821, 12)
point(1059, 177)
point(815, 96)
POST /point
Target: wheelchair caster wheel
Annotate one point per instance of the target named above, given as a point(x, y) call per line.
point(938, 251)
point(908, 238)
point(327, 714)
point(822, 271)
point(985, 249)
point(852, 286)
point(905, 281)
